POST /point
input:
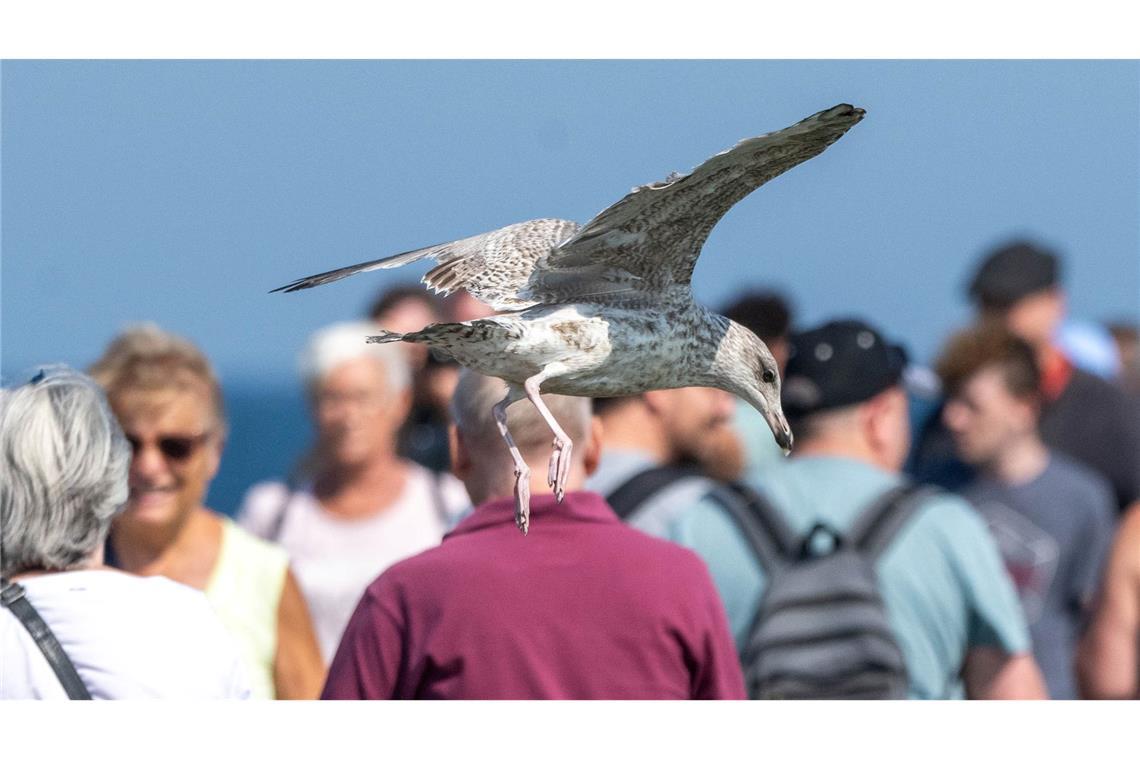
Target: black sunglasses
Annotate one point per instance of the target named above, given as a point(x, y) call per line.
point(176, 448)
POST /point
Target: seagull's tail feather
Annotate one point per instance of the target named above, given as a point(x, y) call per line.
point(385, 336)
point(389, 262)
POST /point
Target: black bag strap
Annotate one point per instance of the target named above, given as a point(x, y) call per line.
point(765, 529)
point(281, 511)
point(630, 495)
point(877, 525)
point(437, 500)
point(13, 597)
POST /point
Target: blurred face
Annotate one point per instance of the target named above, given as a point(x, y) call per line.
point(780, 348)
point(692, 417)
point(177, 446)
point(984, 417)
point(1035, 317)
point(407, 316)
point(463, 307)
point(356, 413)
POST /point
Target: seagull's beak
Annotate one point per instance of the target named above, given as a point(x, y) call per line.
point(784, 439)
point(780, 430)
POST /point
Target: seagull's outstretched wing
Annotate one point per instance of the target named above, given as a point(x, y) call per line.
point(495, 267)
point(656, 232)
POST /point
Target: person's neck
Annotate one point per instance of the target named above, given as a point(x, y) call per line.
point(361, 489)
point(635, 430)
point(502, 489)
point(841, 447)
point(184, 551)
point(1020, 461)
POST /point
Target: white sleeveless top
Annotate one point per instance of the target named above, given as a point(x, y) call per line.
point(334, 559)
point(128, 637)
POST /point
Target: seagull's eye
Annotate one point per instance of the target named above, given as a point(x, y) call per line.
point(769, 376)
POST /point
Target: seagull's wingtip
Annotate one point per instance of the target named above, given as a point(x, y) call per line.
point(293, 286)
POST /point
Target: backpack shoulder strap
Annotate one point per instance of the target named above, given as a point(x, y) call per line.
point(280, 512)
point(877, 525)
point(630, 495)
point(768, 534)
point(12, 596)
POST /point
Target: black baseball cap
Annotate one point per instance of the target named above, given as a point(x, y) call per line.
point(1013, 272)
point(840, 363)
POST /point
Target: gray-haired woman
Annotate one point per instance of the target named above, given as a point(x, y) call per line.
point(65, 464)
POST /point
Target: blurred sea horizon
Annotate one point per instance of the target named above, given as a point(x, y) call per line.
point(269, 429)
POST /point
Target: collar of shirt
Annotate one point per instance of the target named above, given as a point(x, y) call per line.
point(1056, 370)
point(616, 467)
point(577, 506)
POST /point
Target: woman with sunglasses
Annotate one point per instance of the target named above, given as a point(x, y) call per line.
point(111, 634)
point(169, 403)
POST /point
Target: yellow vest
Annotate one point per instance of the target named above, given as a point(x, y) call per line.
point(245, 591)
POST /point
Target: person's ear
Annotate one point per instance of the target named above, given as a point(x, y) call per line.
point(655, 401)
point(401, 406)
point(1027, 413)
point(457, 450)
point(214, 449)
point(593, 450)
point(879, 416)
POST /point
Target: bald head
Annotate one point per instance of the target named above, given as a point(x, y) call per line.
point(479, 454)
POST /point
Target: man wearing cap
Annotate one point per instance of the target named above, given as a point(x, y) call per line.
point(951, 606)
point(1082, 415)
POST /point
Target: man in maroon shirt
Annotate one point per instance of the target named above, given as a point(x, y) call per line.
point(583, 607)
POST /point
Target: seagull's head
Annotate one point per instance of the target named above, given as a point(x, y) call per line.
point(746, 367)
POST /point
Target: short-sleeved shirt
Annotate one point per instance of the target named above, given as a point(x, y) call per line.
point(656, 513)
point(583, 607)
point(943, 583)
point(1097, 424)
point(1053, 533)
point(128, 638)
point(334, 558)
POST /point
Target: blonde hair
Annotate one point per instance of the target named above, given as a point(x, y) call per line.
point(145, 357)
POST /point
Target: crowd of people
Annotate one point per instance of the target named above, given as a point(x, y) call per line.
point(977, 536)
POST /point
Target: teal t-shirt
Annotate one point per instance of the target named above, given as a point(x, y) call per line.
point(942, 580)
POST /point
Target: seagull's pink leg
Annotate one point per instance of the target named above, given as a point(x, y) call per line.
point(522, 472)
point(560, 458)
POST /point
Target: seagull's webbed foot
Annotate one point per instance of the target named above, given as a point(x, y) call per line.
point(522, 499)
point(560, 466)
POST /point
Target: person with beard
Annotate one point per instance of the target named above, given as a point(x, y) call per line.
point(582, 607)
point(952, 610)
point(169, 404)
point(646, 438)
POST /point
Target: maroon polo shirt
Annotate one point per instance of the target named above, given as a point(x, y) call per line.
point(584, 607)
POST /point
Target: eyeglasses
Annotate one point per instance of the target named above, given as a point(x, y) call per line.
point(176, 448)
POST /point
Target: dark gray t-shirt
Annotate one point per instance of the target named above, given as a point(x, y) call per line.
point(1054, 534)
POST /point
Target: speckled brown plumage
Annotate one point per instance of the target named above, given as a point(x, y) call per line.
point(606, 309)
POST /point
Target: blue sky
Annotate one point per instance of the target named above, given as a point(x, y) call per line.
point(181, 192)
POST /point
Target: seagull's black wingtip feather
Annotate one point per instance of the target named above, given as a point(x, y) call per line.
point(293, 286)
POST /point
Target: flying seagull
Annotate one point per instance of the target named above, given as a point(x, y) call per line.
point(607, 309)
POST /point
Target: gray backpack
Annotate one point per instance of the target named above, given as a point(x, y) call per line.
point(821, 631)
